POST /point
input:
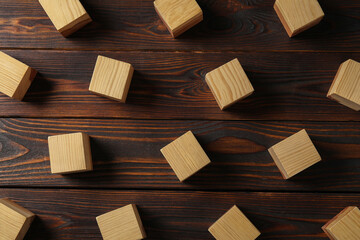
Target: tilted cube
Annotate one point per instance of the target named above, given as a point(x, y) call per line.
point(68, 16)
point(70, 153)
point(15, 77)
point(185, 156)
point(298, 15)
point(123, 223)
point(178, 15)
point(294, 154)
point(229, 84)
point(111, 78)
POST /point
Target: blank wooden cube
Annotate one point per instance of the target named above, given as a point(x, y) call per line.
point(15, 77)
point(298, 15)
point(111, 78)
point(14, 220)
point(178, 15)
point(70, 153)
point(185, 156)
point(229, 84)
point(345, 88)
point(294, 154)
point(234, 225)
point(123, 223)
point(345, 225)
point(68, 16)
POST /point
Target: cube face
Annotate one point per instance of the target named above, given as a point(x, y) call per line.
point(345, 88)
point(344, 226)
point(111, 78)
point(70, 153)
point(68, 16)
point(298, 15)
point(179, 15)
point(229, 84)
point(14, 220)
point(123, 223)
point(234, 225)
point(185, 156)
point(294, 154)
point(15, 77)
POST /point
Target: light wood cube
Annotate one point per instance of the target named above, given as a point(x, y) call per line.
point(70, 153)
point(178, 15)
point(15, 77)
point(111, 78)
point(185, 156)
point(345, 225)
point(294, 154)
point(234, 225)
point(229, 84)
point(298, 15)
point(123, 223)
point(68, 16)
point(345, 88)
point(14, 220)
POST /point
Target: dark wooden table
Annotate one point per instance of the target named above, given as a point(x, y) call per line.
point(169, 96)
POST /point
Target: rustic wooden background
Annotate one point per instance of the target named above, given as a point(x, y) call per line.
point(169, 96)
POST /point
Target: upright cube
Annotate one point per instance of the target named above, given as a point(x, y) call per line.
point(345, 225)
point(179, 15)
point(345, 88)
point(14, 220)
point(68, 16)
point(234, 225)
point(229, 84)
point(294, 154)
point(185, 156)
point(111, 78)
point(298, 15)
point(70, 153)
point(123, 223)
point(15, 77)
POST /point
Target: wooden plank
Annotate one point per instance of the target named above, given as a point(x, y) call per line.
point(172, 86)
point(250, 25)
point(126, 154)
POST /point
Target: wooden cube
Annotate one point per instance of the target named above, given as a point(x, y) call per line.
point(298, 15)
point(111, 78)
point(294, 154)
point(178, 15)
point(345, 225)
point(234, 225)
point(68, 16)
point(185, 156)
point(229, 84)
point(15, 77)
point(14, 220)
point(345, 88)
point(70, 153)
point(123, 223)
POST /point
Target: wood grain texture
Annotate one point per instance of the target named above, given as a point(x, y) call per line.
point(250, 25)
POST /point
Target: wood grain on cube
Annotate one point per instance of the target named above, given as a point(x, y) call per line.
point(14, 220)
point(345, 225)
point(15, 77)
point(123, 223)
point(229, 84)
point(345, 88)
point(178, 15)
point(185, 156)
point(298, 15)
point(111, 78)
point(68, 16)
point(234, 225)
point(70, 153)
point(294, 154)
